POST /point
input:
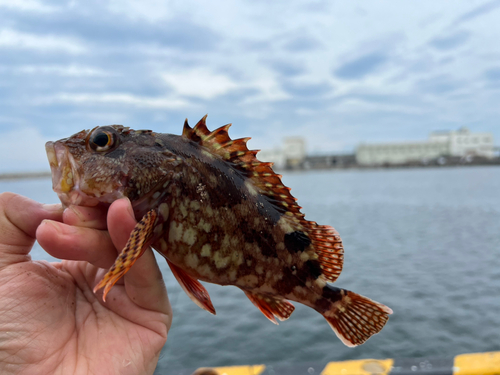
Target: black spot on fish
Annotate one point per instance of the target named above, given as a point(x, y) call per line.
point(288, 282)
point(297, 241)
point(313, 268)
point(263, 239)
point(298, 276)
point(330, 294)
point(267, 244)
point(249, 234)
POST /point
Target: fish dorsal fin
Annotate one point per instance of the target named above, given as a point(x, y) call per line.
point(324, 239)
point(236, 152)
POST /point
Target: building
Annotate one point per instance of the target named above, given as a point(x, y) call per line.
point(275, 155)
point(464, 143)
point(461, 143)
point(295, 151)
point(292, 154)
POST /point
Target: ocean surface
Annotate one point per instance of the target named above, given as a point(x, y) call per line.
point(426, 242)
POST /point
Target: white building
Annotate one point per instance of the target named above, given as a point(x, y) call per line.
point(464, 143)
point(295, 151)
point(275, 155)
point(292, 154)
point(461, 143)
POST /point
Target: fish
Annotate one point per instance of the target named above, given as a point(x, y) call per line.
point(216, 214)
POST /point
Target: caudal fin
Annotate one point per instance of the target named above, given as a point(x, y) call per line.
point(355, 318)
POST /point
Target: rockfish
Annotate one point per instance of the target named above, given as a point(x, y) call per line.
point(216, 214)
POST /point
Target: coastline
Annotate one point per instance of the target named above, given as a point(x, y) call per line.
point(314, 163)
point(24, 175)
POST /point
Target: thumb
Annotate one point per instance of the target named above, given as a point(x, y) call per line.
point(19, 218)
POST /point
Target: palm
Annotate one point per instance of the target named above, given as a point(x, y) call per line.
point(51, 320)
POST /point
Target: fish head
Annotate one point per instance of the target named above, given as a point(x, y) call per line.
point(106, 163)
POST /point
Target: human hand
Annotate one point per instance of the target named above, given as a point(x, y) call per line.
point(50, 320)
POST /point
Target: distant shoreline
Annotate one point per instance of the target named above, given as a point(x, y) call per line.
point(495, 162)
point(24, 175)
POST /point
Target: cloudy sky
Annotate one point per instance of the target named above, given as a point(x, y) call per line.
point(336, 72)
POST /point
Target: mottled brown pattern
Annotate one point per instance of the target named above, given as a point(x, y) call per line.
point(221, 216)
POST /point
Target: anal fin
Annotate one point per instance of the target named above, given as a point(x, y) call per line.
point(271, 307)
point(140, 238)
point(193, 288)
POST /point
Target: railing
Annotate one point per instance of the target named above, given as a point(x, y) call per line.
point(463, 364)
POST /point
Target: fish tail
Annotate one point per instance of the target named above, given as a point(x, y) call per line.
point(353, 318)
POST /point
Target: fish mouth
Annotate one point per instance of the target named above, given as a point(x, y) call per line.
point(65, 176)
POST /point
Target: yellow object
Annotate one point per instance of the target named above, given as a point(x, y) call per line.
point(238, 370)
point(477, 363)
point(67, 180)
point(359, 367)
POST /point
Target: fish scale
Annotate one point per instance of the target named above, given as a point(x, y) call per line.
point(217, 214)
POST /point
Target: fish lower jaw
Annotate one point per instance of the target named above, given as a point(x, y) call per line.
point(79, 198)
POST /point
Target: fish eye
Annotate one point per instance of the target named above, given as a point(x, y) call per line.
point(102, 140)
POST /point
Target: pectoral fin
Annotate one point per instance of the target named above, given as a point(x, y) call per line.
point(193, 288)
point(140, 238)
point(271, 307)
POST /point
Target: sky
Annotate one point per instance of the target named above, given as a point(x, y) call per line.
point(337, 73)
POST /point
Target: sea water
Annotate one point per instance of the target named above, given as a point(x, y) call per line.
point(425, 242)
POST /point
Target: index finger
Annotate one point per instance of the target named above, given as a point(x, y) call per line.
point(87, 217)
point(19, 219)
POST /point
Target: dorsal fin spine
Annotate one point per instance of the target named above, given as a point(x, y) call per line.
point(186, 131)
point(260, 173)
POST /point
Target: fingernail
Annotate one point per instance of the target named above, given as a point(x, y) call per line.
point(77, 212)
point(53, 207)
point(61, 228)
point(53, 224)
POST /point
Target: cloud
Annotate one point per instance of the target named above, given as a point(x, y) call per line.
point(25, 146)
point(113, 99)
point(199, 83)
point(493, 74)
point(273, 68)
point(361, 66)
point(492, 77)
point(285, 67)
point(438, 85)
point(478, 11)
point(41, 43)
point(452, 41)
point(144, 10)
point(267, 89)
point(301, 43)
point(27, 5)
point(61, 70)
point(103, 29)
point(308, 90)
